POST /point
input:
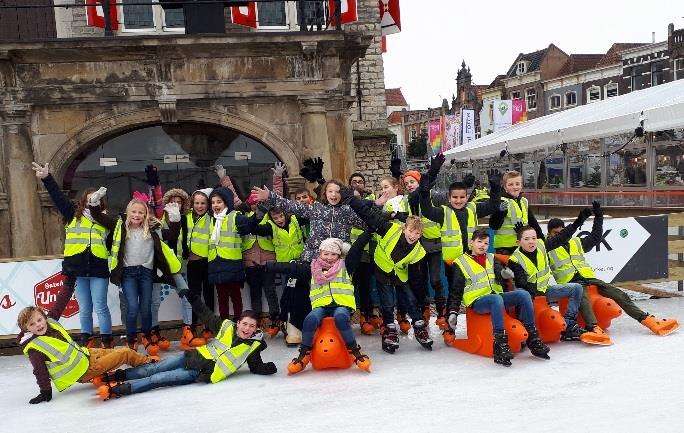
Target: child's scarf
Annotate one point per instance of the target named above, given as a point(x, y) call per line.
point(318, 265)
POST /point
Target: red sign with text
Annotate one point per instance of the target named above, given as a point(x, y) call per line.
point(45, 294)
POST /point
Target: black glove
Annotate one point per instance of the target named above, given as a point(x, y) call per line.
point(597, 208)
point(425, 183)
point(401, 216)
point(436, 165)
point(347, 193)
point(518, 226)
point(469, 180)
point(308, 172)
point(184, 293)
point(495, 181)
point(395, 167)
point(152, 175)
point(44, 396)
point(318, 168)
point(267, 368)
point(583, 215)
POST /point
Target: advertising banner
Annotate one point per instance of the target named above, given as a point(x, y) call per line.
point(468, 125)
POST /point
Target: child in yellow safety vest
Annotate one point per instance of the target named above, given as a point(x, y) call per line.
point(55, 357)
point(235, 344)
point(331, 294)
point(456, 221)
point(397, 257)
point(569, 264)
point(517, 211)
point(85, 259)
point(475, 284)
point(287, 238)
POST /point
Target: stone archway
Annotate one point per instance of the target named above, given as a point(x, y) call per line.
point(108, 125)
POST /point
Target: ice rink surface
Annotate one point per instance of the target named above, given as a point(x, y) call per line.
point(636, 385)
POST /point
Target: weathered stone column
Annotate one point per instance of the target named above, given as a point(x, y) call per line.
point(315, 133)
point(26, 220)
point(341, 141)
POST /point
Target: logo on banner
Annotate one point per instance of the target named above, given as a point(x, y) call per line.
point(45, 294)
point(6, 303)
point(503, 107)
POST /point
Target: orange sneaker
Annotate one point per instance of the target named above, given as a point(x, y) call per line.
point(300, 362)
point(596, 336)
point(189, 341)
point(660, 327)
point(149, 346)
point(362, 361)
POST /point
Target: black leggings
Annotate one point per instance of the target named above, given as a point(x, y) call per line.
point(198, 282)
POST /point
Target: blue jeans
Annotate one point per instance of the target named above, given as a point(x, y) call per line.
point(136, 284)
point(342, 321)
point(572, 291)
point(92, 293)
point(168, 372)
point(494, 305)
point(404, 297)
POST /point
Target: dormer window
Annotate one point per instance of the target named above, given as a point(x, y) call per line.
point(522, 67)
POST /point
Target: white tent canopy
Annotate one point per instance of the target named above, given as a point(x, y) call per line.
point(662, 107)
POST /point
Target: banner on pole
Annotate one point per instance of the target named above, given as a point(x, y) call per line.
point(508, 112)
point(95, 15)
point(435, 136)
point(467, 125)
point(452, 132)
point(390, 19)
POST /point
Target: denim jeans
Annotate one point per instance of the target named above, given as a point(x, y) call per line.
point(572, 291)
point(404, 297)
point(342, 321)
point(168, 372)
point(494, 305)
point(136, 284)
point(186, 307)
point(91, 293)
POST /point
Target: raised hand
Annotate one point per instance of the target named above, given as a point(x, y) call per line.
point(395, 167)
point(220, 171)
point(152, 175)
point(596, 206)
point(41, 171)
point(94, 199)
point(278, 169)
point(260, 194)
point(436, 165)
point(318, 168)
point(173, 211)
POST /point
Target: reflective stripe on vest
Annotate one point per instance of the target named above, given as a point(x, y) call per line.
point(116, 245)
point(68, 361)
point(198, 234)
point(288, 245)
point(452, 239)
point(505, 236)
point(431, 229)
point(538, 274)
point(81, 233)
point(565, 265)
point(339, 291)
point(479, 281)
point(229, 244)
point(481, 194)
point(265, 243)
point(227, 359)
point(383, 253)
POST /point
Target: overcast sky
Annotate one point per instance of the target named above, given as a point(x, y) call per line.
point(438, 34)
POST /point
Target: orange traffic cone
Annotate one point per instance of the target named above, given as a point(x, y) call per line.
point(329, 350)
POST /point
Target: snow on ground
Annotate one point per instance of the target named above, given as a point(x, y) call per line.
point(635, 385)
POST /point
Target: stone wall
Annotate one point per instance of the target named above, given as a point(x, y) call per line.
point(373, 160)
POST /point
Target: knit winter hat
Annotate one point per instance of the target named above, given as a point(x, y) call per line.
point(205, 191)
point(335, 245)
point(226, 195)
point(414, 174)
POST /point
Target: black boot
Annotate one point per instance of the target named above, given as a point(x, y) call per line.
point(420, 330)
point(107, 341)
point(85, 339)
point(502, 351)
point(390, 338)
point(536, 346)
point(572, 332)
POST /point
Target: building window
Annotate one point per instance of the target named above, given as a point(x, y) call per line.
point(515, 95)
point(413, 133)
point(669, 159)
point(627, 166)
point(584, 163)
point(679, 69)
point(531, 99)
point(151, 18)
point(611, 90)
point(555, 102)
point(656, 73)
point(570, 99)
point(593, 94)
point(272, 14)
point(635, 79)
point(522, 68)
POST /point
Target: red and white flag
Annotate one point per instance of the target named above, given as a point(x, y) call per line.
point(95, 15)
point(348, 12)
point(244, 15)
point(390, 19)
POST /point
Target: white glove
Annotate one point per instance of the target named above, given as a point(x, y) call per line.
point(507, 274)
point(220, 171)
point(94, 199)
point(452, 320)
point(503, 205)
point(278, 169)
point(41, 172)
point(173, 211)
